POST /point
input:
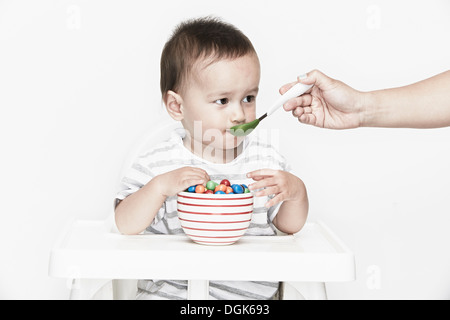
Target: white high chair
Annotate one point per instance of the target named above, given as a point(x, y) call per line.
point(100, 263)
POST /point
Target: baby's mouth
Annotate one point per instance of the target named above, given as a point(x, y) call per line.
point(228, 132)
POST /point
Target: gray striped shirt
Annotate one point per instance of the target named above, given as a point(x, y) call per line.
point(170, 155)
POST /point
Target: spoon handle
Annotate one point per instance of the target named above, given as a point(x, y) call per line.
point(295, 91)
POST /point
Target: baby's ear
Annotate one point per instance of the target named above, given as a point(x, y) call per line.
point(174, 105)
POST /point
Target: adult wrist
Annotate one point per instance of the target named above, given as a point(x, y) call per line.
point(368, 112)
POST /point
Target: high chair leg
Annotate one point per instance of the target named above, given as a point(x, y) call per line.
point(91, 289)
point(125, 289)
point(304, 290)
point(198, 290)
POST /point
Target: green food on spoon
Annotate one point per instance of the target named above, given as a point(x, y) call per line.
point(244, 129)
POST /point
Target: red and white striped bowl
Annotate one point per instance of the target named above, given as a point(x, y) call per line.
point(215, 219)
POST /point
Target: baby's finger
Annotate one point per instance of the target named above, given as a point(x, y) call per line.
point(201, 174)
point(196, 179)
point(264, 183)
point(258, 178)
point(261, 172)
point(274, 201)
point(268, 191)
point(200, 171)
point(188, 182)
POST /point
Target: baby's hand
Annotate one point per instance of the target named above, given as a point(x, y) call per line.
point(284, 185)
point(172, 182)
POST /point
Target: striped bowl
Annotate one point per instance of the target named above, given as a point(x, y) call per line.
point(215, 219)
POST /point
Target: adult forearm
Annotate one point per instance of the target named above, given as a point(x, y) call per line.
point(425, 104)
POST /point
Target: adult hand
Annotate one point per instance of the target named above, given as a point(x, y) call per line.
point(329, 103)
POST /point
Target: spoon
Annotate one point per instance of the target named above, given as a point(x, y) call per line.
point(244, 129)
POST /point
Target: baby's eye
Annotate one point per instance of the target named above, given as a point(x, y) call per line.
point(249, 99)
point(222, 101)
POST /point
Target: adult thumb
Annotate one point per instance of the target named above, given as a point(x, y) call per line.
point(316, 78)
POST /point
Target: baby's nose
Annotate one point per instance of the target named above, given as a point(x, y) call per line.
point(238, 115)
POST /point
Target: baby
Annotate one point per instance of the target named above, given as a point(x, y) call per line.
point(210, 75)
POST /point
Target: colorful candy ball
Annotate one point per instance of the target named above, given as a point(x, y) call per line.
point(220, 187)
point(224, 187)
point(237, 188)
point(200, 188)
point(211, 185)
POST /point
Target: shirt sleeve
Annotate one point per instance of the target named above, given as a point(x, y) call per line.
point(135, 178)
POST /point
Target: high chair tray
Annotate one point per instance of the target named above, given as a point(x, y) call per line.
point(87, 250)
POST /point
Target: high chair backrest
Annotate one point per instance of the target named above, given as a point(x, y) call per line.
point(146, 141)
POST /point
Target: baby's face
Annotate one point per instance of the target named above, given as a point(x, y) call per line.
point(219, 96)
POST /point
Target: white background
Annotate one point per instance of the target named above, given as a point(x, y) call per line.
point(79, 81)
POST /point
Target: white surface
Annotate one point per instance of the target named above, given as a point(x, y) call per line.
point(87, 251)
point(79, 83)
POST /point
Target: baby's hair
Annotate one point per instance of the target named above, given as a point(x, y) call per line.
point(202, 38)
